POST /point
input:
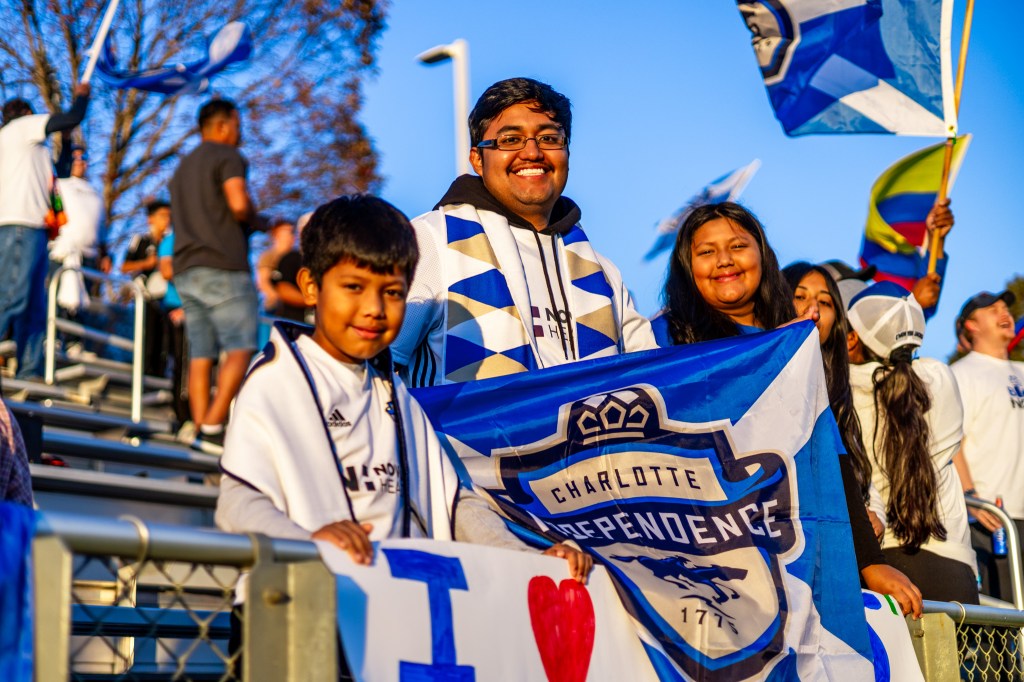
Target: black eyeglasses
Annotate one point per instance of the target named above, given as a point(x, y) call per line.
point(513, 143)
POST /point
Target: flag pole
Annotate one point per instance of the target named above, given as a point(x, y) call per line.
point(936, 245)
point(101, 37)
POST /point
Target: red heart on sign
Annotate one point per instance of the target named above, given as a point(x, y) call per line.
point(563, 625)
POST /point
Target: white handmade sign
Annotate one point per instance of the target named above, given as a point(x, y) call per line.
point(428, 610)
point(439, 610)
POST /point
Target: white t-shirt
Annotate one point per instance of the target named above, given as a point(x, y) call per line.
point(26, 171)
point(364, 437)
point(548, 297)
point(945, 425)
point(84, 210)
point(992, 392)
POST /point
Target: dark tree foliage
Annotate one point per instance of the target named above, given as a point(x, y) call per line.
point(300, 91)
point(1016, 285)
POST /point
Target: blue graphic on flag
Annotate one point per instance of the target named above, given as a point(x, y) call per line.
point(856, 66)
point(703, 477)
point(232, 43)
point(1018, 334)
point(17, 527)
point(726, 188)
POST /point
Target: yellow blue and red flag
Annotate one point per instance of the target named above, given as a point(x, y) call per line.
point(895, 237)
point(1018, 336)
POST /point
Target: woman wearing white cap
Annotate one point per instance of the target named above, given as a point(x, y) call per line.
point(912, 423)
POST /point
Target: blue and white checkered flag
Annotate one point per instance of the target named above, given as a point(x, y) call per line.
point(232, 43)
point(726, 188)
point(856, 66)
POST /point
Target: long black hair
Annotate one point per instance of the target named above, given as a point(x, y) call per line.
point(690, 318)
point(836, 359)
point(901, 446)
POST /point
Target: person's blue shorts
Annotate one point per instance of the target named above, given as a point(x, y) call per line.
point(221, 310)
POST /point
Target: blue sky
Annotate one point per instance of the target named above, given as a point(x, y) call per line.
point(666, 97)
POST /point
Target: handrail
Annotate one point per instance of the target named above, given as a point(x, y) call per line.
point(84, 483)
point(139, 295)
point(117, 537)
point(70, 443)
point(81, 420)
point(1012, 546)
point(976, 615)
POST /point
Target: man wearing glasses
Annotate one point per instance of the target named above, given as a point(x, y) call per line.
point(507, 280)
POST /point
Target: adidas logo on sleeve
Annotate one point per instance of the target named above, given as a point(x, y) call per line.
point(336, 420)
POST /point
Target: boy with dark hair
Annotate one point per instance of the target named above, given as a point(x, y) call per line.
point(325, 442)
point(142, 263)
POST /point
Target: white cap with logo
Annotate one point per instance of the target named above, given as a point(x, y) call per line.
point(886, 317)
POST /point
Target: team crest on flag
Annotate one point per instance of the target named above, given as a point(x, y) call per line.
point(696, 531)
point(703, 478)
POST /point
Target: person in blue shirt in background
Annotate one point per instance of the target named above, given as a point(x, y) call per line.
point(178, 340)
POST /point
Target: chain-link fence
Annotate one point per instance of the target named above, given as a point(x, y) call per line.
point(123, 600)
point(974, 643)
point(988, 653)
point(136, 620)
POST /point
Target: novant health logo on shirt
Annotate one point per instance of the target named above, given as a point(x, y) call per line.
point(1016, 392)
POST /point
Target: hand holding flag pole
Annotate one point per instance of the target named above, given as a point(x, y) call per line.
point(935, 245)
point(101, 37)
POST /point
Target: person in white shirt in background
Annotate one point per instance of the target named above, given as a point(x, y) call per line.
point(991, 457)
point(76, 241)
point(26, 176)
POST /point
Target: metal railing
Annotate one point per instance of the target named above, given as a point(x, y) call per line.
point(123, 600)
point(963, 642)
point(1012, 547)
point(53, 323)
point(85, 421)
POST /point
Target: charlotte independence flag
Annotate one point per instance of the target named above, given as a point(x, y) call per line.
point(726, 188)
point(232, 43)
point(704, 477)
point(856, 66)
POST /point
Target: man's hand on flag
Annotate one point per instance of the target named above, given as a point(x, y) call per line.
point(940, 218)
point(926, 290)
point(580, 562)
point(812, 314)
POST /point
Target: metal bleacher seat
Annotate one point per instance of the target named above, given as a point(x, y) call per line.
point(115, 466)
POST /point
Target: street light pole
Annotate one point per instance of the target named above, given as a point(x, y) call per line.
point(458, 52)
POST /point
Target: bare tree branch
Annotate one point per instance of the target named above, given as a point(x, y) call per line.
point(308, 65)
